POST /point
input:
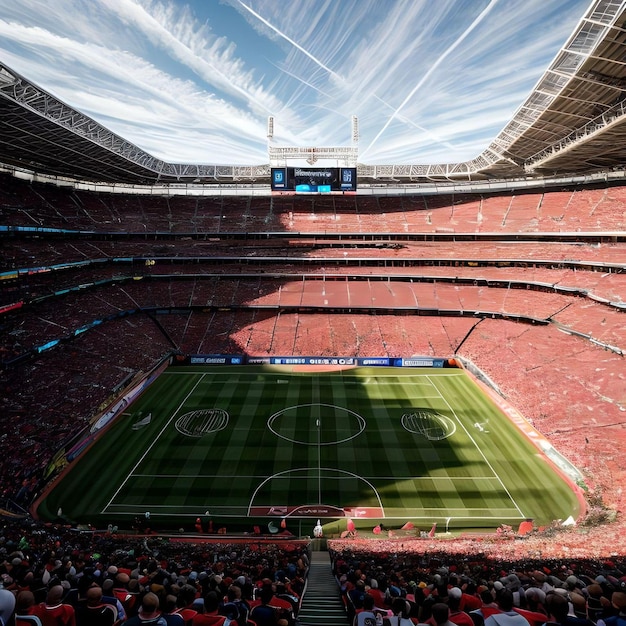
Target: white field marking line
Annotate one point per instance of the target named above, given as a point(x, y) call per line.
point(307, 469)
point(319, 459)
point(427, 516)
point(461, 508)
point(430, 518)
point(508, 493)
point(396, 477)
point(195, 507)
point(143, 456)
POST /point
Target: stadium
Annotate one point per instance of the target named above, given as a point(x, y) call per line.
point(419, 359)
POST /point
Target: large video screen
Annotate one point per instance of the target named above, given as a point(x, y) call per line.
point(314, 179)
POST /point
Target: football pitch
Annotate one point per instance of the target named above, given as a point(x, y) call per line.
point(273, 447)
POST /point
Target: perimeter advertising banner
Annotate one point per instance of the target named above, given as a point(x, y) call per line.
point(314, 179)
point(223, 359)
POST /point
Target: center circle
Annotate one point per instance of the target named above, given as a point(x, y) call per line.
point(316, 424)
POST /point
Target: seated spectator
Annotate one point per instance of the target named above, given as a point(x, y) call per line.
point(264, 614)
point(53, 612)
point(441, 614)
point(457, 616)
point(208, 612)
point(357, 594)
point(560, 612)
point(596, 602)
point(618, 602)
point(489, 606)
point(171, 612)
point(535, 599)
point(24, 603)
point(94, 612)
point(401, 611)
point(579, 606)
point(284, 607)
point(377, 593)
point(149, 613)
point(121, 592)
point(233, 599)
point(507, 616)
point(366, 615)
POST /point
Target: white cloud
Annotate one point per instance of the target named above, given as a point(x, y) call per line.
point(196, 81)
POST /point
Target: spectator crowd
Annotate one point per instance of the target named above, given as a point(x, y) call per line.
point(57, 576)
point(439, 589)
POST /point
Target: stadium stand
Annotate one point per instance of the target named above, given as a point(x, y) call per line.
point(573, 284)
point(544, 372)
point(525, 287)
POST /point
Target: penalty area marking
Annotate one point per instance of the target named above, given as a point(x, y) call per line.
point(147, 450)
point(508, 493)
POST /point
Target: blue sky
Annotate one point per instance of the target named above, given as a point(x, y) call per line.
point(431, 81)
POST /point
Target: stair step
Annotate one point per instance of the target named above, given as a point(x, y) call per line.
point(321, 604)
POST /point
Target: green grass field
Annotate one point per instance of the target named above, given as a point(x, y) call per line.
point(253, 445)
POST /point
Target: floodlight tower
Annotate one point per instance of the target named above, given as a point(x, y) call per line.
point(346, 156)
point(355, 131)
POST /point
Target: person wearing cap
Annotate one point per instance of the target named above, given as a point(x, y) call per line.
point(535, 599)
point(376, 592)
point(148, 614)
point(540, 580)
point(579, 606)
point(535, 618)
point(457, 616)
point(557, 606)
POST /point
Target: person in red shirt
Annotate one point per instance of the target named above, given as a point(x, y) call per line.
point(457, 616)
point(210, 615)
point(53, 612)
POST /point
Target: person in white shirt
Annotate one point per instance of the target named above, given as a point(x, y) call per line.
point(507, 617)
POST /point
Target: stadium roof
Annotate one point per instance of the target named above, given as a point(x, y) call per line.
point(573, 122)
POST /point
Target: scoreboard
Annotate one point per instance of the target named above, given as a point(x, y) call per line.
point(314, 179)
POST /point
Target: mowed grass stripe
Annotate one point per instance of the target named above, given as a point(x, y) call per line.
point(510, 453)
point(473, 470)
point(313, 396)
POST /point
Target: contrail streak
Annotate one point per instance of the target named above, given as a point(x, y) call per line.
point(286, 38)
point(433, 67)
point(410, 122)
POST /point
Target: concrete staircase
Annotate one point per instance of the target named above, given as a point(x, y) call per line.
point(321, 604)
